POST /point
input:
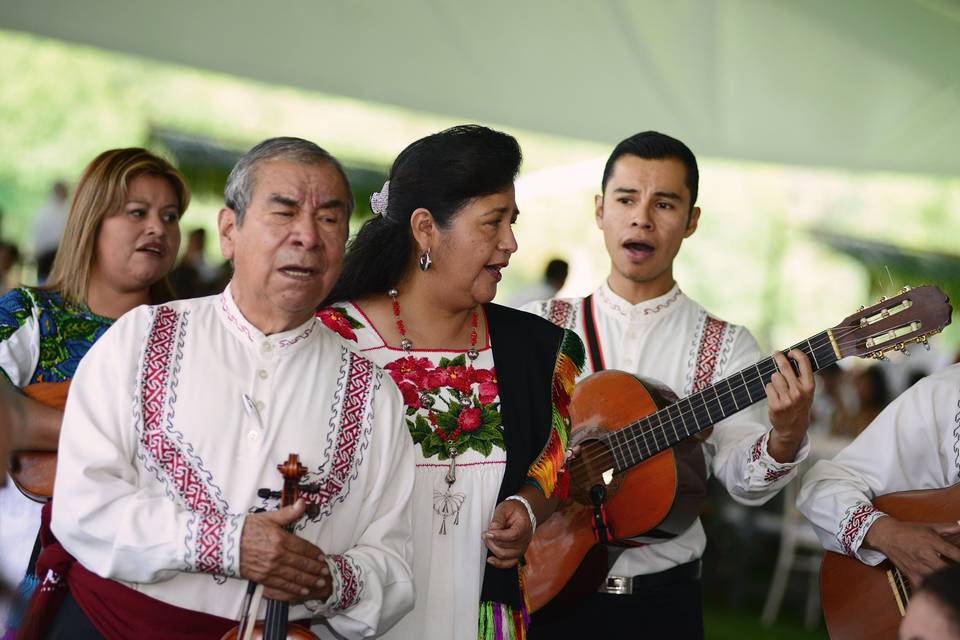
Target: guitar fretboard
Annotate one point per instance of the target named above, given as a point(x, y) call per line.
point(663, 429)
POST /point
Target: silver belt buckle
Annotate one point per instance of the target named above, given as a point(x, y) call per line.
point(617, 585)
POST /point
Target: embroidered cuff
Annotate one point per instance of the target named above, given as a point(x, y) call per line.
point(213, 544)
point(853, 529)
point(764, 470)
point(347, 585)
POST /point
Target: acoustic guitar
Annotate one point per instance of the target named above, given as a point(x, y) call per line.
point(33, 472)
point(639, 475)
point(869, 602)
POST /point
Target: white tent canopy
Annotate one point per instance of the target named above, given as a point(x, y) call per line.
point(858, 84)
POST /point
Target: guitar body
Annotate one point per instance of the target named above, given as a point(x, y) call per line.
point(640, 460)
point(656, 500)
point(858, 600)
point(34, 471)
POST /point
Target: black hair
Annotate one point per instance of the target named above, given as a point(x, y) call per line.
point(441, 173)
point(557, 269)
point(652, 145)
point(944, 586)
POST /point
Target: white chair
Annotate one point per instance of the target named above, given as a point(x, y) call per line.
point(800, 549)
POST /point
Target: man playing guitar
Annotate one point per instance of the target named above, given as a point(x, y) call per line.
point(639, 321)
point(913, 444)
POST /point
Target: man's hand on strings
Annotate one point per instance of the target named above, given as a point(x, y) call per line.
point(916, 549)
point(790, 397)
point(289, 568)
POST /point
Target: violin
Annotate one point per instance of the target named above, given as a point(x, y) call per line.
point(275, 625)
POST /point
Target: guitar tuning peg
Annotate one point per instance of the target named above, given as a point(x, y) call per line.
point(905, 289)
point(882, 299)
point(926, 345)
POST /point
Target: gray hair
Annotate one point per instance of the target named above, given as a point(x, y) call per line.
point(239, 187)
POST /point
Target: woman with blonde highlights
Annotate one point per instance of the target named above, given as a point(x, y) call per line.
point(120, 241)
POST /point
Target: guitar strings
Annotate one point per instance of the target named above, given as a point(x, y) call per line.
point(661, 430)
point(657, 431)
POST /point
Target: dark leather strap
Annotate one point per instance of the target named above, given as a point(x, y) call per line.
point(590, 328)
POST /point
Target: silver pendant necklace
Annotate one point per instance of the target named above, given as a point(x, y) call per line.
point(446, 504)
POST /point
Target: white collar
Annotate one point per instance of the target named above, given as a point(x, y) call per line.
point(245, 332)
point(642, 311)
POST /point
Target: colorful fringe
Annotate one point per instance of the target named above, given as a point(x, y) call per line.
point(500, 622)
point(546, 470)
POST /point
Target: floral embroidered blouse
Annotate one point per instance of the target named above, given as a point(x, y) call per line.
point(452, 405)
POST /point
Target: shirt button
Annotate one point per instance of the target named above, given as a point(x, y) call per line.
point(267, 347)
point(251, 435)
point(260, 405)
point(263, 374)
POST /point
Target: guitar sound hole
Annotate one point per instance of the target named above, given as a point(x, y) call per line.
point(593, 466)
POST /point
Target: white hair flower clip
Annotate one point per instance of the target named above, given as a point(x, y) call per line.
point(378, 200)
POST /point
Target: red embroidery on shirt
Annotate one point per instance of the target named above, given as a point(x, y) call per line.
point(757, 449)
point(241, 327)
point(347, 451)
point(560, 313)
point(775, 474)
point(710, 341)
point(183, 473)
point(351, 583)
point(287, 342)
point(860, 515)
point(663, 305)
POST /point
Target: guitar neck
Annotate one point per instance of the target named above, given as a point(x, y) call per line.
point(663, 429)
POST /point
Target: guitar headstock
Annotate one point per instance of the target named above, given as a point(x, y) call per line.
point(909, 317)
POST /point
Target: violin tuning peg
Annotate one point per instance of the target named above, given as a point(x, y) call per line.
point(267, 494)
point(313, 487)
point(312, 511)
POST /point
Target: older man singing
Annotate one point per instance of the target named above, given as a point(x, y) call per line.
point(178, 418)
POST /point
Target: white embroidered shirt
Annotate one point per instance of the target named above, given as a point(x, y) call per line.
point(181, 413)
point(673, 340)
point(913, 444)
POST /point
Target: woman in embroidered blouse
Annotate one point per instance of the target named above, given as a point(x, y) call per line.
point(486, 387)
point(121, 238)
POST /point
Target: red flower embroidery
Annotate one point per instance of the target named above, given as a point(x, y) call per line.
point(488, 392)
point(411, 369)
point(411, 397)
point(437, 378)
point(337, 322)
point(484, 375)
point(469, 419)
point(460, 378)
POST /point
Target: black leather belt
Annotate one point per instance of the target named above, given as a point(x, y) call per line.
point(627, 585)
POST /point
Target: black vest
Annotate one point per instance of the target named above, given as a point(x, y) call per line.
point(525, 350)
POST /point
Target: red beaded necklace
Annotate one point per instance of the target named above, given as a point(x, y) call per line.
point(407, 344)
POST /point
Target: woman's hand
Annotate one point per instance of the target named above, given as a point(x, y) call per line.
point(509, 534)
